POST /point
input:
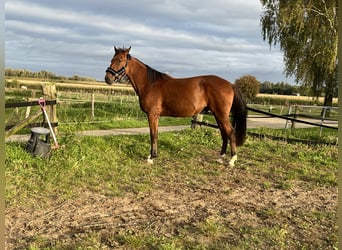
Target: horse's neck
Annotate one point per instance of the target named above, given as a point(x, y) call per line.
point(138, 76)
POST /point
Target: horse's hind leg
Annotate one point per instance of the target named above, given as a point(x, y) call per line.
point(232, 140)
point(224, 142)
point(227, 132)
point(224, 137)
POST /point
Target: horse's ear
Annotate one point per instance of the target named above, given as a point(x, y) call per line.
point(128, 55)
point(115, 49)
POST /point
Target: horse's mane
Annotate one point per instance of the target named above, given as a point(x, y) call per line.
point(152, 74)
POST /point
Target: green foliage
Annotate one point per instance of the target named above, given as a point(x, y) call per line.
point(279, 88)
point(43, 74)
point(249, 86)
point(18, 95)
point(307, 34)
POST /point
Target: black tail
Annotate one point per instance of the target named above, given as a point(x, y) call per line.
point(239, 119)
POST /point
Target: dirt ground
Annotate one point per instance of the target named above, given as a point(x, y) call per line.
point(239, 201)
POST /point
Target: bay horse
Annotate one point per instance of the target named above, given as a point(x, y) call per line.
point(162, 95)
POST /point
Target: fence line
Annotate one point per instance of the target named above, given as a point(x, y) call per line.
point(291, 140)
point(290, 119)
point(12, 129)
point(200, 122)
point(322, 117)
point(197, 119)
point(49, 94)
point(27, 104)
point(50, 91)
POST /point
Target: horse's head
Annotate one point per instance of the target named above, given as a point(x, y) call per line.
point(118, 66)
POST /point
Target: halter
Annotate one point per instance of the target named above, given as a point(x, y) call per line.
point(121, 72)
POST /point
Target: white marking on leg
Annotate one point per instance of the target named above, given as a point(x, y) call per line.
point(149, 160)
point(232, 161)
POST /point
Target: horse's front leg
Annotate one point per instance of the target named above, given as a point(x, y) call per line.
point(153, 123)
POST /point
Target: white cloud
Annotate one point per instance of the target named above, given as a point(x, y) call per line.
point(183, 38)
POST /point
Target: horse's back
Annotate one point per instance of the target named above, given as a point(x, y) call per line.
point(205, 87)
point(212, 81)
point(216, 88)
point(216, 81)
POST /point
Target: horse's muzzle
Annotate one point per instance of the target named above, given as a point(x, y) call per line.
point(117, 75)
point(109, 79)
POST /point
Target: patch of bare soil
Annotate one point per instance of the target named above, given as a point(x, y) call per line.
point(174, 206)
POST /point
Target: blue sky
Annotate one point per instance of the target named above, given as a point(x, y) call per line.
point(181, 38)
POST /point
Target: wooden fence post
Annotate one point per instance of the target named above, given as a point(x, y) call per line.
point(50, 93)
point(295, 116)
point(196, 118)
point(93, 106)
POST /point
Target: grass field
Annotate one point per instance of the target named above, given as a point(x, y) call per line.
point(98, 193)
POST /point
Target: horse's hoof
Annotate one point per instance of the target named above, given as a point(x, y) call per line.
point(232, 161)
point(149, 160)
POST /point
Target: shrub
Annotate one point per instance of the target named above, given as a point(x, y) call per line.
point(249, 86)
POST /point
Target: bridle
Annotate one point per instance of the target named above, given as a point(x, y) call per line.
point(121, 72)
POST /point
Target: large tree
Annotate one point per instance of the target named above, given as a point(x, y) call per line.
point(306, 31)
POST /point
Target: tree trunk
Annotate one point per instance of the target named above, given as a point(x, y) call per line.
point(328, 98)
